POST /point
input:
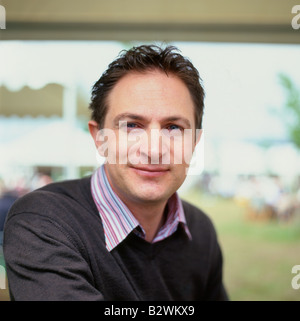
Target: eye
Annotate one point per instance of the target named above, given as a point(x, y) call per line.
point(128, 125)
point(174, 127)
point(134, 128)
point(132, 125)
point(173, 130)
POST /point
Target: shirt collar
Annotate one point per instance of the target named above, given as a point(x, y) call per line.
point(118, 221)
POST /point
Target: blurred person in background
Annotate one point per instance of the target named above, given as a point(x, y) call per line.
point(39, 180)
point(8, 195)
point(123, 233)
point(7, 198)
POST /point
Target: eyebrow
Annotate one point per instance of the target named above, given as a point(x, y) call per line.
point(122, 116)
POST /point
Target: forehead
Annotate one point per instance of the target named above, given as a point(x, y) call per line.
point(153, 94)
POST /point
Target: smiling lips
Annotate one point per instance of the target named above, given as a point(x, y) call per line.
point(150, 171)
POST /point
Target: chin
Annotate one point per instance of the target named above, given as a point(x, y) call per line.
point(152, 196)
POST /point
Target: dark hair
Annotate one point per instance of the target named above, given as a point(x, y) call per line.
point(141, 59)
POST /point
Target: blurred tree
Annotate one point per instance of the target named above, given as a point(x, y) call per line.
point(292, 108)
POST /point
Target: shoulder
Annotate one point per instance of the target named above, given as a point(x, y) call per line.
point(54, 199)
point(199, 223)
point(195, 215)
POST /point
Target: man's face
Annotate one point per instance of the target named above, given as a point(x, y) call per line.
point(148, 113)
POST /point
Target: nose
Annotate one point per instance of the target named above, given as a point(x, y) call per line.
point(154, 147)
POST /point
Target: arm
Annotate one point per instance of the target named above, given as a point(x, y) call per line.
point(215, 287)
point(44, 262)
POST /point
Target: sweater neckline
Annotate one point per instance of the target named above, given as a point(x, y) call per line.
point(150, 250)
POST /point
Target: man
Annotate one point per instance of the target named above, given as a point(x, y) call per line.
point(124, 234)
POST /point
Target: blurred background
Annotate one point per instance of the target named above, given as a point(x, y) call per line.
point(247, 53)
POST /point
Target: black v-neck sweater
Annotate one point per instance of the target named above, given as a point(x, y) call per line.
point(54, 249)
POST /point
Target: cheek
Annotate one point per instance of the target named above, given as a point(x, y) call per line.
point(106, 142)
point(122, 149)
point(118, 148)
point(182, 150)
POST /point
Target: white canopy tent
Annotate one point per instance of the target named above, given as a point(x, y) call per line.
point(56, 144)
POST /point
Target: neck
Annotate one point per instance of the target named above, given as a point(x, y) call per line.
point(150, 216)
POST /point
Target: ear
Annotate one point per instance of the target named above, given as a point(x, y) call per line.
point(94, 129)
point(99, 137)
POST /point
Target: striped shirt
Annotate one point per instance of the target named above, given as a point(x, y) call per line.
point(118, 222)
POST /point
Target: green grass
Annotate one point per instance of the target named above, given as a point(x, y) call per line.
point(258, 255)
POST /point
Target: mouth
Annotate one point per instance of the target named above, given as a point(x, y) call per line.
point(150, 171)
